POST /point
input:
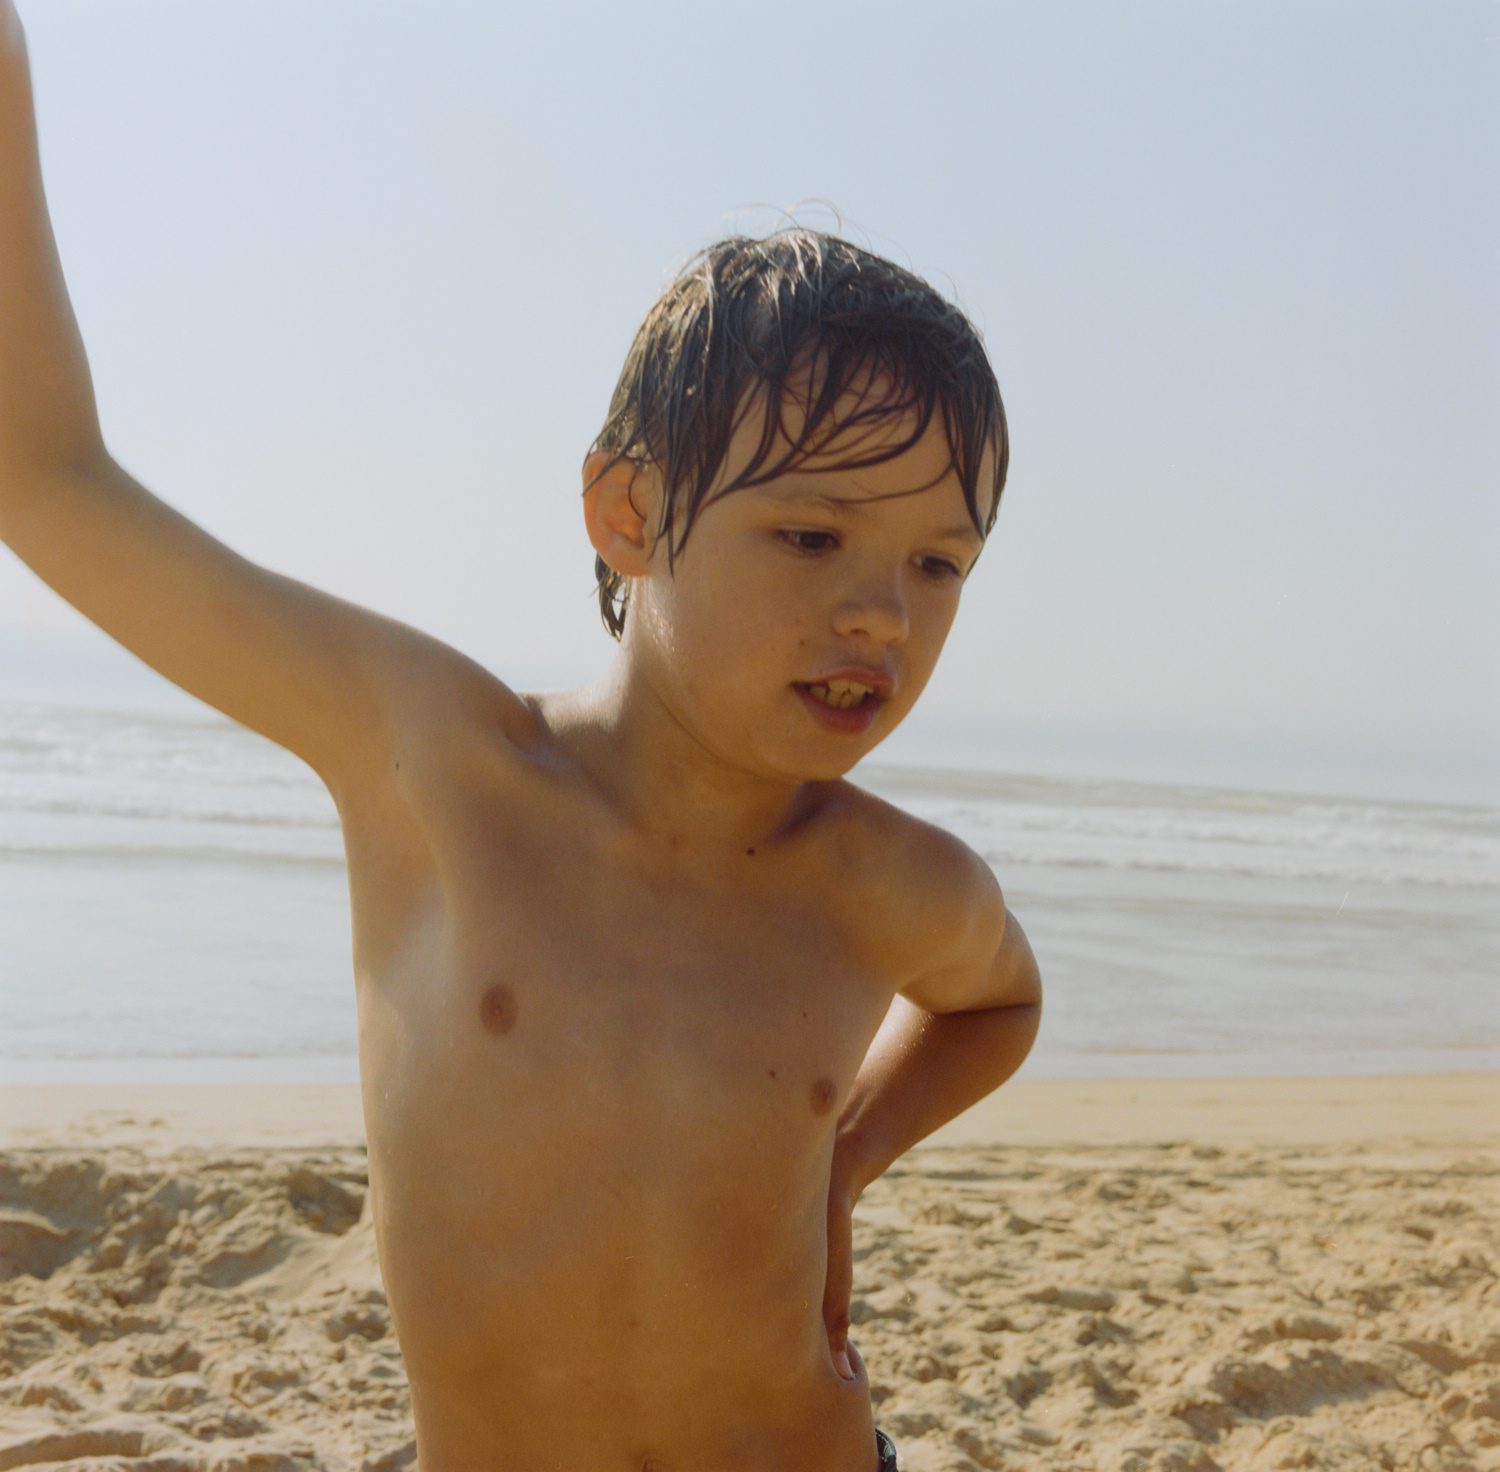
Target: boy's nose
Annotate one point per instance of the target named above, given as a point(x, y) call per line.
point(875, 609)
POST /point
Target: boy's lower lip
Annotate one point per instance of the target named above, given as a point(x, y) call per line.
point(853, 720)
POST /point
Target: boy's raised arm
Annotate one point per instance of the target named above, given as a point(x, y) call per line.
point(285, 660)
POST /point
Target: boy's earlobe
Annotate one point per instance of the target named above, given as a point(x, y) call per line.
point(619, 507)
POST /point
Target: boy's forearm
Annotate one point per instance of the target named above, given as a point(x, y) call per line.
point(923, 1069)
point(48, 420)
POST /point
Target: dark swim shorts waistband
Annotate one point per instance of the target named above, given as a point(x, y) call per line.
point(887, 1452)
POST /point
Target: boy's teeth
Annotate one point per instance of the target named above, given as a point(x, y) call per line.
point(840, 693)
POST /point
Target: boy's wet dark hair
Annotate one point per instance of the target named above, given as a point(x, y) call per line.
point(752, 323)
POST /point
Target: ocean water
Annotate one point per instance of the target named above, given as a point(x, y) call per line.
point(173, 907)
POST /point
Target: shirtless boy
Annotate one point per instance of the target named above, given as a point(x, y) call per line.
point(647, 993)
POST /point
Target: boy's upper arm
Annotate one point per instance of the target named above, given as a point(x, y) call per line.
point(314, 674)
point(975, 955)
point(320, 677)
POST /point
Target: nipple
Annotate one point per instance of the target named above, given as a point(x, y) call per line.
point(497, 1011)
point(823, 1095)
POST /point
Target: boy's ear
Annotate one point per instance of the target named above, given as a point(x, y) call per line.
point(620, 503)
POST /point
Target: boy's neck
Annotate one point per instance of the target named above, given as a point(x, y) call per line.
point(666, 785)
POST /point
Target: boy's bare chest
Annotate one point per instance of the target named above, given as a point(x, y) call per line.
point(631, 1000)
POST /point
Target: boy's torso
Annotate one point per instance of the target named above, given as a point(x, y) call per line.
point(601, 1076)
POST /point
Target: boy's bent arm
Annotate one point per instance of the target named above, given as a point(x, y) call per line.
point(283, 659)
point(943, 1046)
point(930, 1062)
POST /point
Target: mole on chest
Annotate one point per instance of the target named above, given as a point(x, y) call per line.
point(497, 1010)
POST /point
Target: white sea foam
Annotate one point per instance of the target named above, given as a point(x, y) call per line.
point(1029, 821)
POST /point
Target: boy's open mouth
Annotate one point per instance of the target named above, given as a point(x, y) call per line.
point(845, 706)
point(842, 694)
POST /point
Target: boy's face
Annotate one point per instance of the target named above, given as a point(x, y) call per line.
point(803, 616)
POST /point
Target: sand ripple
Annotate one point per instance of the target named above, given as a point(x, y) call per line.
point(1183, 1310)
point(1148, 1309)
point(195, 1314)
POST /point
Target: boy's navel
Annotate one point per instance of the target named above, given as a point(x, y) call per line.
point(823, 1095)
point(497, 1010)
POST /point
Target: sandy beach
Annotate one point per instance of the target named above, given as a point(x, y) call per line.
point(1168, 1276)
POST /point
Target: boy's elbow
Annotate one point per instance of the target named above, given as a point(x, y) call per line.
point(1022, 975)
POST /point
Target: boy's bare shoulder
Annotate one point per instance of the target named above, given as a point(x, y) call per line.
point(936, 903)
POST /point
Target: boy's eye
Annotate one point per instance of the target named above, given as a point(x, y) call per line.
point(810, 541)
point(940, 568)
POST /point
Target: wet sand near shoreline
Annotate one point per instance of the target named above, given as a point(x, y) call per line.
point(1164, 1276)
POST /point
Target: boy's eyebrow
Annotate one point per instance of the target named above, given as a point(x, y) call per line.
point(854, 505)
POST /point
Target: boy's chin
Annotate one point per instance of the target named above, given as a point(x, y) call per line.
point(830, 766)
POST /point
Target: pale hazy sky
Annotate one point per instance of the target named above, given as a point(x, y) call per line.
point(356, 281)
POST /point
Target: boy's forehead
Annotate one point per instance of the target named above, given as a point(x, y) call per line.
point(865, 428)
point(871, 407)
point(866, 448)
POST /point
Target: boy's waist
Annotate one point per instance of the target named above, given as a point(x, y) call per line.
point(534, 1305)
point(720, 1399)
point(636, 1289)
